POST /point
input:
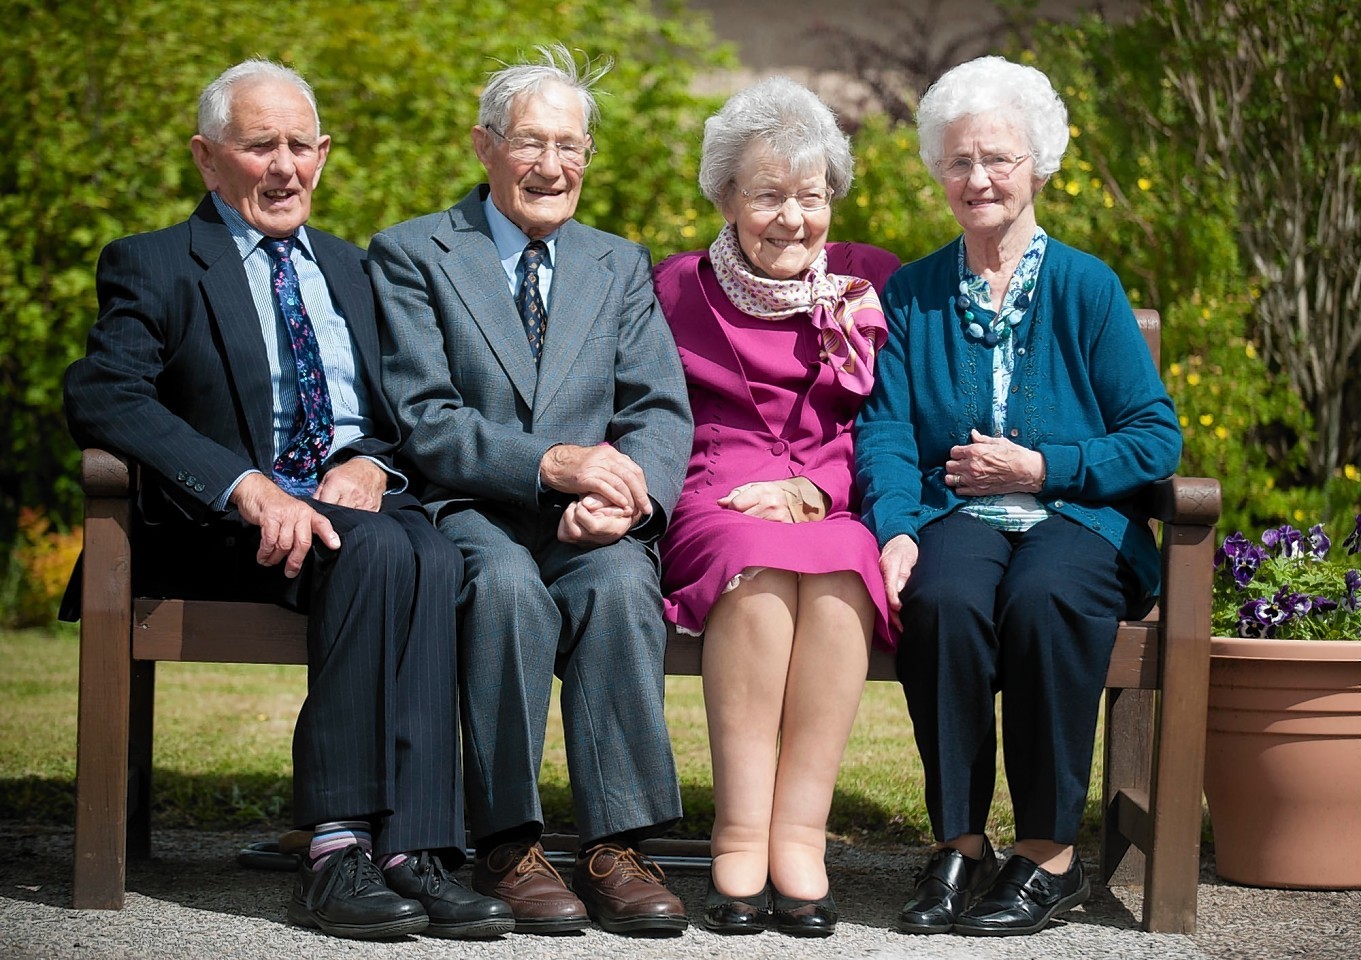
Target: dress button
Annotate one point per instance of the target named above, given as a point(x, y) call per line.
point(778, 447)
point(1014, 432)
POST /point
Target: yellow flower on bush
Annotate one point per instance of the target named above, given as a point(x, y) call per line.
point(1193, 379)
point(1350, 472)
point(1145, 184)
point(1206, 419)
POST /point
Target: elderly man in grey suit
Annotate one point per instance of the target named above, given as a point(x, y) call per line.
point(540, 395)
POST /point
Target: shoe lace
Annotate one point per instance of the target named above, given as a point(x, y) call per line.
point(631, 864)
point(354, 868)
point(431, 872)
point(530, 859)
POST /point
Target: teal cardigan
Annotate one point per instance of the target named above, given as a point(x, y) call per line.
point(1085, 394)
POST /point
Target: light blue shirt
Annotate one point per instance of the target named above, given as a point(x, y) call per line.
point(510, 243)
point(349, 396)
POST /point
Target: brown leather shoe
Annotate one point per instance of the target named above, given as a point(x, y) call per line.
point(520, 875)
point(625, 892)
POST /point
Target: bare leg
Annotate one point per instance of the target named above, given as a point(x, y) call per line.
point(827, 670)
point(747, 642)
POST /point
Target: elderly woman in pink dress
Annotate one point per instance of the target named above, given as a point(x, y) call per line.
point(765, 553)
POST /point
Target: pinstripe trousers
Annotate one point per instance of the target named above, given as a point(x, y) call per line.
point(377, 736)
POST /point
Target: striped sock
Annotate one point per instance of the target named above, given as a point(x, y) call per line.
point(391, 860)
point(333, 836)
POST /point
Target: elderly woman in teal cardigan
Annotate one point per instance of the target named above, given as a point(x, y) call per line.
point(1015, 418)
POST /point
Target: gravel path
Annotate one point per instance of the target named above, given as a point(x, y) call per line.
point(192, 900)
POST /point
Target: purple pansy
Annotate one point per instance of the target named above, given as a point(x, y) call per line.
point(1352, 580)
point(1239, 558)
point(1284, 541)
point(1319, 544)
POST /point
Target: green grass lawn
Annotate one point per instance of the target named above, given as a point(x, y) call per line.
point(223, 733)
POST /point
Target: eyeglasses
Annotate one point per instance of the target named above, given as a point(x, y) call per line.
point(530, 149)
point(768, 201)
point(998, 166)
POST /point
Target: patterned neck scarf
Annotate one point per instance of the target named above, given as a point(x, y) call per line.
point(832, 300)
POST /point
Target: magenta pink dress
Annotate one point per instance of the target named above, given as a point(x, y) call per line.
point(766, 407)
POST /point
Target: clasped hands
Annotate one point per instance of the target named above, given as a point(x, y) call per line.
point(288, 525)
point(993, 465)
point(610, 487)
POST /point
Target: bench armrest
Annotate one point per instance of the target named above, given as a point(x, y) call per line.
point(1186, 500)
point(104, 474)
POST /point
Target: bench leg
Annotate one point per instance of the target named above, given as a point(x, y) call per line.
point(102, 715)
point(143, 695)
point(1126, 774)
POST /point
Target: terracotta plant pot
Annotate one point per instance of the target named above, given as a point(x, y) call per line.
point(1283, 762)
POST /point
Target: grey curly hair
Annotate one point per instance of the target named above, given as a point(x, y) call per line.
point(1018, 94)
point(788, 118)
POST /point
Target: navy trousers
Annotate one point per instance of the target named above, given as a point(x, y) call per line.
point(1029, 615)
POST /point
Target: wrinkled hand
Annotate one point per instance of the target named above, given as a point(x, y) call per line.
point(358, 483)
point(992, 465)
point(763, 498)
point(287, 524)
point(591, 521)
point(896, 561)
point(602, 470)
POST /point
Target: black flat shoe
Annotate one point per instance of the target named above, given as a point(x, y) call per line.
point(725, 914)
point(805, 918)
point(455, 911)
point(1023, 899)
point(348, 898)
point(945, 887)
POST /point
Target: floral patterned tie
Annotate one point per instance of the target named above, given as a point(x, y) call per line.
point(295, 467)
point(529, 301)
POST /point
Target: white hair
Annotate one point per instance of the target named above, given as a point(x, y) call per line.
point(1019, 95)
point(215, 103)
point(556, 65)
point(791, 121)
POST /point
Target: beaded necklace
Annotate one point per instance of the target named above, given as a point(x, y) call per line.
point(990, 327)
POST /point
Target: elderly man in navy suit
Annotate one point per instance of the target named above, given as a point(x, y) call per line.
point(235, 357)
point(541, 396)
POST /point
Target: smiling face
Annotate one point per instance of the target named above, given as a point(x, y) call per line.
point(986, 204)
point(783, 243)
point(270, 159)
point(541, 195)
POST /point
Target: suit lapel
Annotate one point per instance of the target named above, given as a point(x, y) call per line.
point(474, 270)
point(580, 286)
point(353, 297)
point(226, 292)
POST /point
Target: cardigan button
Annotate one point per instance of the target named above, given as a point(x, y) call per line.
point(1059, 503)
point(1015, 432)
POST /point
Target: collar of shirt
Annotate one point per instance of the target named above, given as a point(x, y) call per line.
point(247, 237)
point(510, 243)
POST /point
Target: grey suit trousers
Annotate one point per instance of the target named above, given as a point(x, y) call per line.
point(532, 606)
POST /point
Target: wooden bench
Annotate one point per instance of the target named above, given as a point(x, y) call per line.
point(1155, 704)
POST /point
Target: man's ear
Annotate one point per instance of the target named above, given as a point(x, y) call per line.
point(482, 144)
point(202, 149)
point(323, 151)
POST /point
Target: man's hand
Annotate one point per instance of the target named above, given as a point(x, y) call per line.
point(591, 521)
point(287, 524)
point(993, 465)
point(358, 483)
point(601, 470)
point(896, 561)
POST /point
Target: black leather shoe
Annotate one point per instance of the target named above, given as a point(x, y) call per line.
point(455, 911)
point(1023, 899)
point(725, 914)
point(348, 898)
point(945, 887)
point(805, 918)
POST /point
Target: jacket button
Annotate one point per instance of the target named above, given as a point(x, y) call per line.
point(779, 447)
point(180, 476)
point(198, 487)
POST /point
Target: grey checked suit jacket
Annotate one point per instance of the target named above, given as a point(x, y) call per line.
point(476, 416)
